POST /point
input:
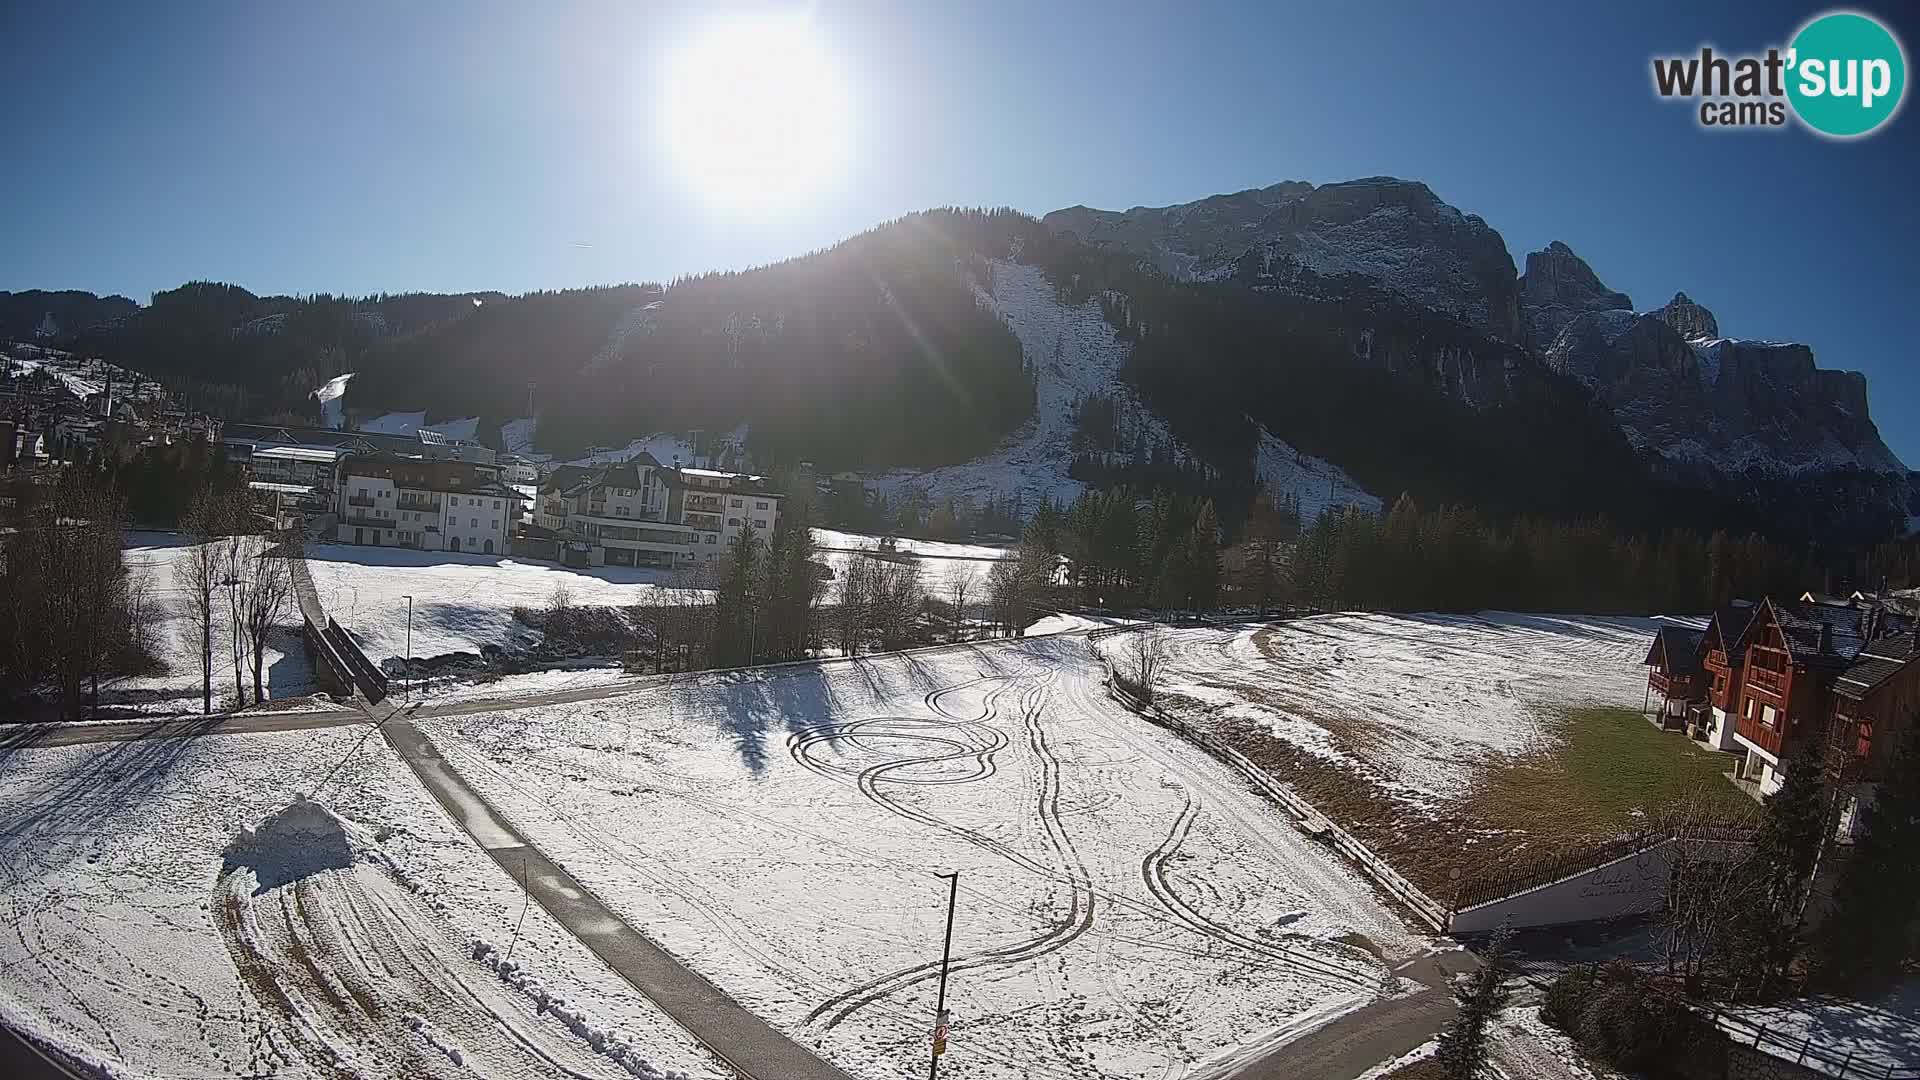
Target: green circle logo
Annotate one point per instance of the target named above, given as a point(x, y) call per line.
point(1846, 74)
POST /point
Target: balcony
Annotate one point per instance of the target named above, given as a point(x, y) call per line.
point(359, 500)
point(706, 502)
point(1678, 687)
point(430, 505)
point(1769, 681)
point(709, 522)
point(367, 521)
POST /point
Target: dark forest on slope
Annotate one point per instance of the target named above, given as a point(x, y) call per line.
point(872, 353)
point(876, 353)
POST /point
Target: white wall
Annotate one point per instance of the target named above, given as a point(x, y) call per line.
point(1632, 885)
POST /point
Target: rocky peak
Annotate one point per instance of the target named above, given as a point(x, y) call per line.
point(1396, 232)
point(1557, 286)
point(1693, 321)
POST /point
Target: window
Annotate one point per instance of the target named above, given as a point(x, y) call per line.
point(733, 523)
point(496, 504)
point(737, 502)
point(712, 539)
point(759, 523)
point(495, 526)
point(473, 523)
point(760, 505)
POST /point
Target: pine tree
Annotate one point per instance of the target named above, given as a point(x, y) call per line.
point(1203, 558)
point(735, 606)
point(1463, 1053)
point(1866, 939)
point(1765, 935)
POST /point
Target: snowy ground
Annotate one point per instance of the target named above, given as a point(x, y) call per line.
point(1877, 1034)
point(412, 423)
point(460, 602)
point(1415, 701)
point(320, 954)
point(154, 557)
point(1126, 907)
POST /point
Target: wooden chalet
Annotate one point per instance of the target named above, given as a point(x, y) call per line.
point(1723, 657)
point(1796, 653)
point(1675, 675)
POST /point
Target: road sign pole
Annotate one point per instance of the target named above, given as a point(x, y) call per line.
point(946, 960)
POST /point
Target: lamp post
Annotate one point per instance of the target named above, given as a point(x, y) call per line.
point(946, 959)
point(409, 646)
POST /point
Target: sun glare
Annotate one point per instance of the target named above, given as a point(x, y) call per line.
point(756, 114)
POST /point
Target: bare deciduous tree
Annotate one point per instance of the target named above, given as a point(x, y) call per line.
point(1709, 879)
point(958, 587)
point(264, 599)
point(1141, 661)
point(197, 576)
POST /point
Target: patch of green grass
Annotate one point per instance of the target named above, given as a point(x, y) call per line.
point(1616, 762)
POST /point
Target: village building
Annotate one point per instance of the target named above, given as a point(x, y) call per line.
point(388, 500)
point(1796, 653)
point(641, 513)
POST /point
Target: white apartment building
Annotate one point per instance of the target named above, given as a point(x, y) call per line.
point(640, 513)
point(394, 501)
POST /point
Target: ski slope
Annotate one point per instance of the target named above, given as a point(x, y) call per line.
point(1126, 907)
point(144, 940)
point(1075, 353)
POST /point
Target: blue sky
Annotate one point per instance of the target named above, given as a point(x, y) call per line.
point(359, 148)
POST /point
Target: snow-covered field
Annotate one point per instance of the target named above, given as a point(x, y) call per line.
point(942, 565)
point(1416, 701)
point(1126, 907)
point(140, 941)
point(460, 602)
point(154, 556)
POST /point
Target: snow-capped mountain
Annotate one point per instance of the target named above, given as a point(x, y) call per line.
point(1682, 390)
point(1394, 231)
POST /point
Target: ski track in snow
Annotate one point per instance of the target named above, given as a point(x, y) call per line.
point(121, 941)
point(1127, 908)
point(1417, 701)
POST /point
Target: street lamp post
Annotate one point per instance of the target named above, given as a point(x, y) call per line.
point(946, 960)
point(409, 684)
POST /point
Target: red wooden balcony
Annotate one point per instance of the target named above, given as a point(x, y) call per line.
point(1680, 687)
point(1772, 682)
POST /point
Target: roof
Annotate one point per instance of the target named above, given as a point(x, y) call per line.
point(298, 453)
point(1679, 646)
point(1879, 661)
point(280, 489)
point(1818, 634)
point(432, 474)
point(1727, 630)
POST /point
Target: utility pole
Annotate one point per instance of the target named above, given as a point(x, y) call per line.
point(409, 682)
point(946, 960)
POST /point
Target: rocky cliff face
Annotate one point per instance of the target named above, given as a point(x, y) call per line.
point(1395, 232)
point(1758, 419)
point(1557, 286)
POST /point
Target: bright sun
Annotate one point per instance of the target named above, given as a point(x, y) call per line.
point(756, 114)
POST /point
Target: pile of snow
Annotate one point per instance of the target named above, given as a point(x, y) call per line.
point(615, 1044)
point(332, 399)
point(301, 838)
